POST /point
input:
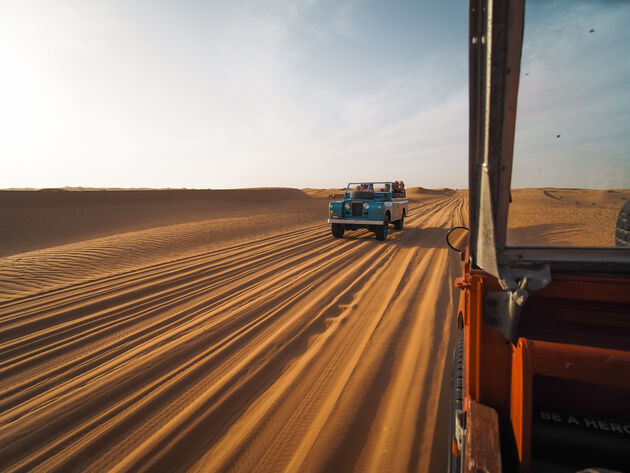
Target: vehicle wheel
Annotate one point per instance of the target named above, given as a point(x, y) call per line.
point(337, 230)
point(457, 394)
point(382, 230)
point(398, 224)
point(622, 234)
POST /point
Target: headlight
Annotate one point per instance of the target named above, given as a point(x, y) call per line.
point(347, 205)
point(366, 205)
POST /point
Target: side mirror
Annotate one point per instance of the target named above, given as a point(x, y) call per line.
point(457, 238)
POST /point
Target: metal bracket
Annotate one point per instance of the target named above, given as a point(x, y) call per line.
point(503, 309)
point(459, 431)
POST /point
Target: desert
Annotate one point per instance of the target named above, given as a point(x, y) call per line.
point(184, 330)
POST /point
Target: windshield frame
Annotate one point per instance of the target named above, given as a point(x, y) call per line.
point(371, 187)
point(495, 47)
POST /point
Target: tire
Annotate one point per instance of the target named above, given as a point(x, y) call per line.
point(622, 233)
point(398, 224)
point(337, 230)
point(382, 230)
point(457, 395)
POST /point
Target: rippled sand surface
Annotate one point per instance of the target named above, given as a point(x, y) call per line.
point(224, 333)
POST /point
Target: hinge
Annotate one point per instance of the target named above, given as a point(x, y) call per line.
point(462, 283)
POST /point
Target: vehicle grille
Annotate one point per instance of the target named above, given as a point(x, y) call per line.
point(357, 209)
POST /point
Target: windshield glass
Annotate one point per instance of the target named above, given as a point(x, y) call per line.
point(360, 187)
point(571, 173)
point(379, 187)
point(382, 187)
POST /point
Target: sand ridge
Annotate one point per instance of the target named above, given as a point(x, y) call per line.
point(183, 339)
point(564, 217)
point(287, 352)
point(32, 220)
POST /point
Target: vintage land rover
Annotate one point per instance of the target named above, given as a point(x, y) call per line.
point(371, 205)
point(541, 374)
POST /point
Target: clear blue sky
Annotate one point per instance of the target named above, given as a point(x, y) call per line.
point(286, 93)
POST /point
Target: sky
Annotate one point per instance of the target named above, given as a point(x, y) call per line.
point(573, 114)
point(304, 93)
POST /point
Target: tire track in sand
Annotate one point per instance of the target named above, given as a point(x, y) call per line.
point(296, 352)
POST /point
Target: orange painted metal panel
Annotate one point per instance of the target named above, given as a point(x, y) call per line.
point(594, 365)
point(521, 402)
point(501, 375)
point(581, 363)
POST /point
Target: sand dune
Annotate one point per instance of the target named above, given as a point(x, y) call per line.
point(175, 348)
point(325, 193)
point(40, 219)
point(564, 217)
point(228, 331)
point(416, 191)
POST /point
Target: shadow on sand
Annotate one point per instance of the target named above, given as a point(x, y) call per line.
point(428, 237)
point(545, 234)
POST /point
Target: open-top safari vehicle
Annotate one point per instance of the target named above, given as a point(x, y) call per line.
point(541, 375)
point(371, 205)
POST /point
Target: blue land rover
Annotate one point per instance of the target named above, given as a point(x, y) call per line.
point(371, 205)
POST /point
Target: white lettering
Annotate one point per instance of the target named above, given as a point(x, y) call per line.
point(573, 420)
point(556, 417)
point(590, 423)
point(603, 425)
point(545, 415)
point(615, 428)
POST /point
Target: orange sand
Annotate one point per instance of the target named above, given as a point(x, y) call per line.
point(564, 217)
point(221, 331)
point(228, 331)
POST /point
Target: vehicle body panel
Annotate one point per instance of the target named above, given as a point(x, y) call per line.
point(352, 212)
point(574, 331)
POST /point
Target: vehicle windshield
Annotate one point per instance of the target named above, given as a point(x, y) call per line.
point(377, 187)
point(360, 187)
point(571, 171)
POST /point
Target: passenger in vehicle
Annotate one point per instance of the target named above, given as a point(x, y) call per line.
point(399, 189)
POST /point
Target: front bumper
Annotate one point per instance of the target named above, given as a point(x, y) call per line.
point(355, 222)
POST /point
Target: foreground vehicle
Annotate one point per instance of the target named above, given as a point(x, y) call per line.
point(371, 205)
point(541, 375)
